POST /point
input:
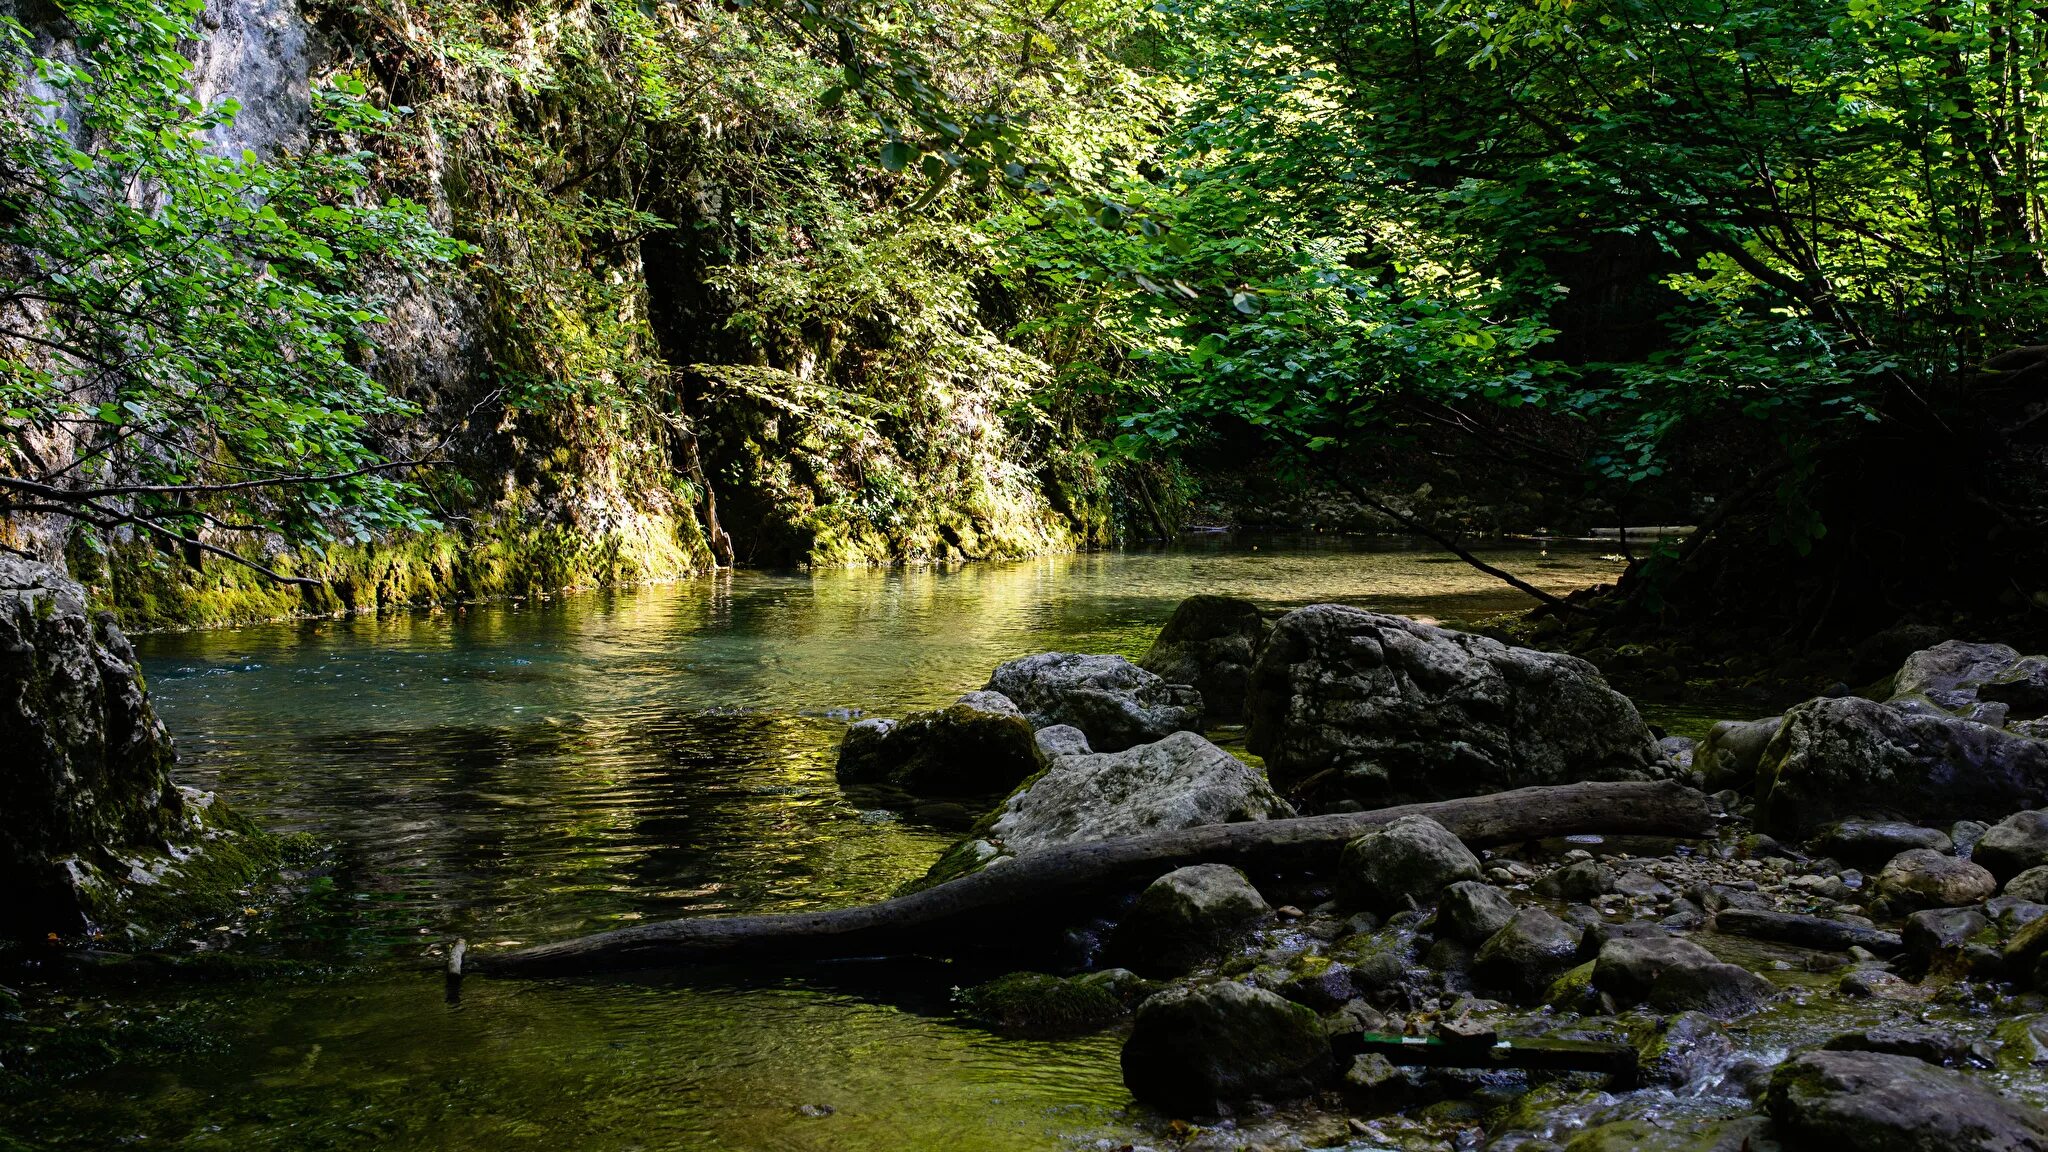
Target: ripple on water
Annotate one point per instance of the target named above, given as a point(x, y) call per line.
point(521, 772)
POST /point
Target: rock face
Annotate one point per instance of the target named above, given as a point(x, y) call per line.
point(1412, 859)
point(1185, 917)
point(1834, 758)
point(1895, 1103)
point(1210, 642)
point(1374, 708)
point(1197, 1051)
point(1118, 704)
point(2014, 844)
point(1673, 975)
point(85, 765)
point(978, 746)
point(1182, 781)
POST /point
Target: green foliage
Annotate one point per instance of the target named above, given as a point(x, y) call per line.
point(179, 328)
point(1365, 214)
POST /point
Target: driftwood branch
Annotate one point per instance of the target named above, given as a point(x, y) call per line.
point(996, 907)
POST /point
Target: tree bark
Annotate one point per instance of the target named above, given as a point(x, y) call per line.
point(998, 907)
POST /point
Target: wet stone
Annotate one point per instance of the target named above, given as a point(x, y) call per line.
point(1470, 911)
point(1895, 1103)
point(2014, 844)
point(1929, 1045)
point(1577, 882)
point(1923, 878)
point(1533, 949)
point(1873, 843)
point(1933, 931)
point(1673, 975)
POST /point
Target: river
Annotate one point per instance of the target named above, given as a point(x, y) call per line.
point(524, 772)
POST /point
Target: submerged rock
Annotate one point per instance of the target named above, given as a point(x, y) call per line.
point(1185, 917)
point(1873, 1100)
point(1195, 1051)
point(1405, 864)
point(1843, 757)
point(1182, 781)
point(1377, 707)
point(1118, 704)
point(978, 746)
point(1210, 642)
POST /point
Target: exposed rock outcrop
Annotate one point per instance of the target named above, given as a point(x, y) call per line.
point(1118, 704)
point(1179, 782)
point(1356, 705)
point(1846, 756)
point(86, 766)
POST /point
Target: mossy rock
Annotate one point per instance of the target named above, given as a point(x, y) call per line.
point(1035, 1004)
point(1573, 991)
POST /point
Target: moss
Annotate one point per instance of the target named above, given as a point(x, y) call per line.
point(218, 871)
point(1573, 991)
point(436, 567)
point(1034, 1004)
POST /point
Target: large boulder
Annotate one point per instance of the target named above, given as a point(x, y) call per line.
point(2013, 845)
point(1196, 1051)
point(978, 746)
point(1403, 865)
point(1374, 708)
point(1892, 1103)
point(1118, 704)
point(1951, 674)
point(84, 763)
point(1211, 643)
point(1180, 782)
point(1673, 975)
point(1846, 756)
point(1185, 917)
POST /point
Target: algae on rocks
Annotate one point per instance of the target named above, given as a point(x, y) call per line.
point(98, 833)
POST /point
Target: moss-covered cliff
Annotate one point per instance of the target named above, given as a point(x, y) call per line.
point(698, 325)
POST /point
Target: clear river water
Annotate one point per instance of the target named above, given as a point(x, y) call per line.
point(524, 772)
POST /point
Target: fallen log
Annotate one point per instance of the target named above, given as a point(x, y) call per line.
point(993, 908)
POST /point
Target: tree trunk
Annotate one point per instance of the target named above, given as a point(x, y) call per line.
point(1002, 905)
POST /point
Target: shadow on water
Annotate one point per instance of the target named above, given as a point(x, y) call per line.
point(515, 773)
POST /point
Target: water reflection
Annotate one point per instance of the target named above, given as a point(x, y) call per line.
point(526, 772)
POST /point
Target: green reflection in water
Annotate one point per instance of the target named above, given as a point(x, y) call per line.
point(516, 773)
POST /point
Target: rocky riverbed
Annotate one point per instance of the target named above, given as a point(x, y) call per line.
point(1856, 959)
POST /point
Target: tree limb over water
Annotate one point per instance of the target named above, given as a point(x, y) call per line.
point(1000, 905)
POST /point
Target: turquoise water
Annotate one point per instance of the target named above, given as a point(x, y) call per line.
point(524, 772)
